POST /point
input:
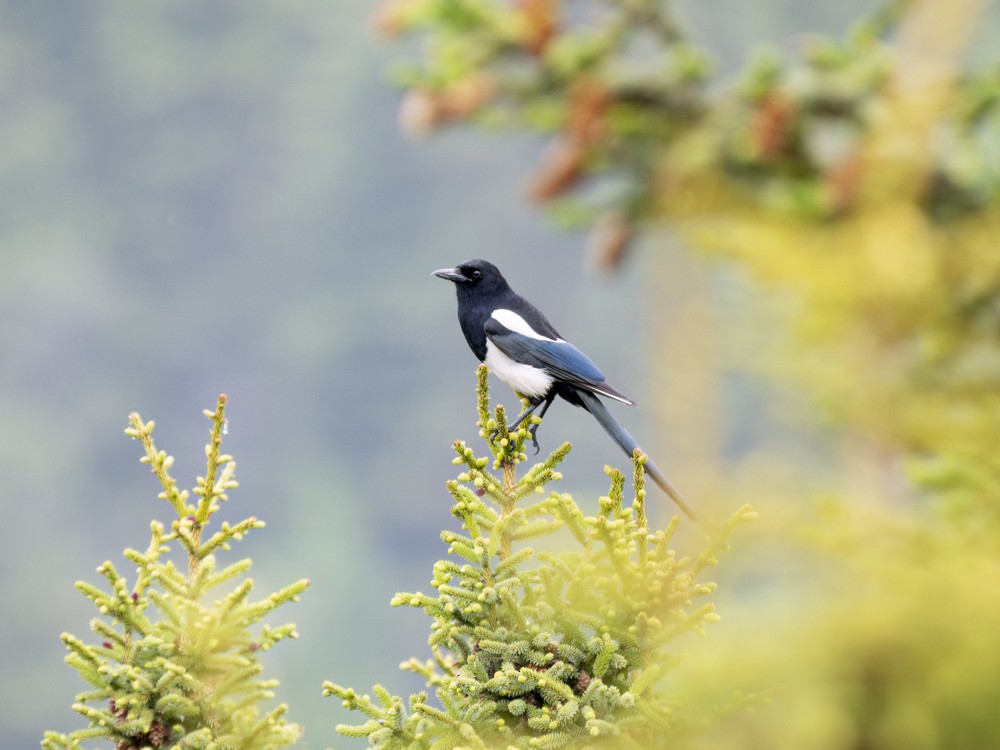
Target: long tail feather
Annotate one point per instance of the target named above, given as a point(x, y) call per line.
point(628, 444)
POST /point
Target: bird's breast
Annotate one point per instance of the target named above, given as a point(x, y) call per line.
point(524, 379)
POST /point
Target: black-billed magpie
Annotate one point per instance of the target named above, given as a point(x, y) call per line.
point(521, 347)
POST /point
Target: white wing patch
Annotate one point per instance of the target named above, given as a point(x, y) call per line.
point(524, 379)
point(514, 322)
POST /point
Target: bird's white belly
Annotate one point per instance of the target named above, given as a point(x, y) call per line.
point(527, 380)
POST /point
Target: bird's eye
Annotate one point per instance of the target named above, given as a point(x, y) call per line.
point(477, 274)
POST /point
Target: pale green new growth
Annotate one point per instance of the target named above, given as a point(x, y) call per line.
point(543, 649)
point(170, 670)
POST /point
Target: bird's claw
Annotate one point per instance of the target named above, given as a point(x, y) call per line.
point(531, 432)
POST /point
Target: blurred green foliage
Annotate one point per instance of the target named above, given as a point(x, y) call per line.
point(621, 84)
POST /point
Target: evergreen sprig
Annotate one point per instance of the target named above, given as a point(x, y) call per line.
point(543, 649)
point(171, 670)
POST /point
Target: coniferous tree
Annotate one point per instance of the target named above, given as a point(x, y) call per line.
point(172, 668)
point(542, 649)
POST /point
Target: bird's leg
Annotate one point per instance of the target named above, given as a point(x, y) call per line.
point(527, 413)
point(521, 417)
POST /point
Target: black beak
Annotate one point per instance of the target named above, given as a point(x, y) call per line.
point(450, 274)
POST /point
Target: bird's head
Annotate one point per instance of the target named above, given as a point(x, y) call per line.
point(474, 276)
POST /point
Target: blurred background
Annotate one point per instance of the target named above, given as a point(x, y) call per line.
point(205, 198)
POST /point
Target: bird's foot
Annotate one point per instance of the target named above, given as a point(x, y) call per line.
point(534, 437)
point(531, 433)
point(496, 433)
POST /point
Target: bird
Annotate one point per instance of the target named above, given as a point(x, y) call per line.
point(522, 348)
